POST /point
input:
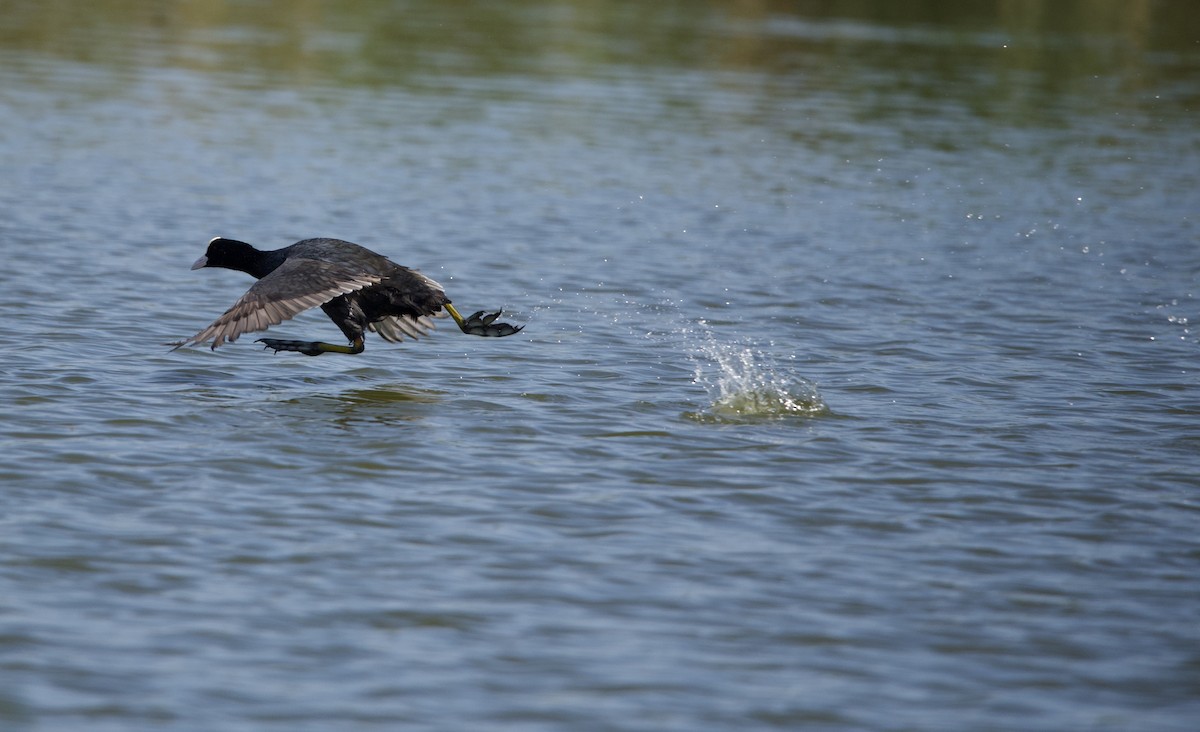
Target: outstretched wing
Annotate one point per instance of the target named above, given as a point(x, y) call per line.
point(394, 328)
point(295, 286)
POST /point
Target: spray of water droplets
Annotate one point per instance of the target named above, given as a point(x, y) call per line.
point(744, 383)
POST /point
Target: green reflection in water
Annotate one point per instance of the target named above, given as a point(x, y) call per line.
point(383, 42)
point(810, 70)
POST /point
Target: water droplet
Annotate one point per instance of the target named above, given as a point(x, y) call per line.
point(743, 383)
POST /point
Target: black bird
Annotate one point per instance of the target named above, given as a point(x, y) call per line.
point(358, 289)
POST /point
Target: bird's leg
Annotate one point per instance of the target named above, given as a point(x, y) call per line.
point(482, 325)
point(313, 348)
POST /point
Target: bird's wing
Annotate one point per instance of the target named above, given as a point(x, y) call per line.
point(395, 327)
point(295, 286)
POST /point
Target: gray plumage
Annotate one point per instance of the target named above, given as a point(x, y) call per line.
point(357, 288)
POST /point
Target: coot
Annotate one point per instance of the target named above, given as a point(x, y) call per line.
point(358, 289)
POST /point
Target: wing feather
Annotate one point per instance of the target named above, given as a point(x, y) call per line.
point(395, 327)
point(295, 286)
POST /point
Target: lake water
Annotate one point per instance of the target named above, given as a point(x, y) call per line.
point(860, 387)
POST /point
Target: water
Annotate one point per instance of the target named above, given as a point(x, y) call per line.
point(858, 388)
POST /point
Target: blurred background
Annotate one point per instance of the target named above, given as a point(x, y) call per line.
point(858, 389)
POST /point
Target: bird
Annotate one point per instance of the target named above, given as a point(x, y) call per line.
point(360, 290)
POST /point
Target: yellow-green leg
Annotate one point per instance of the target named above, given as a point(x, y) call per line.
point(457, 318)
point(313, 348)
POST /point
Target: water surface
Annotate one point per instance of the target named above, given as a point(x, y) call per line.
point(858, 388)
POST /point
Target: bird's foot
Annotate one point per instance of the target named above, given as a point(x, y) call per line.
point(311, 348)
point(486, 325)
point(480, 324)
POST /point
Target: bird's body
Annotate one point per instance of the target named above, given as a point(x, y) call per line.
point(357, 288)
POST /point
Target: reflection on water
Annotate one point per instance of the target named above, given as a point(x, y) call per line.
point(378, 42)
point(382, 404)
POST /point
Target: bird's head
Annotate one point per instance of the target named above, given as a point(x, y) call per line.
point(228, 253)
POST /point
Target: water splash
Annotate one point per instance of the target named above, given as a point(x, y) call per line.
point(745, 384)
